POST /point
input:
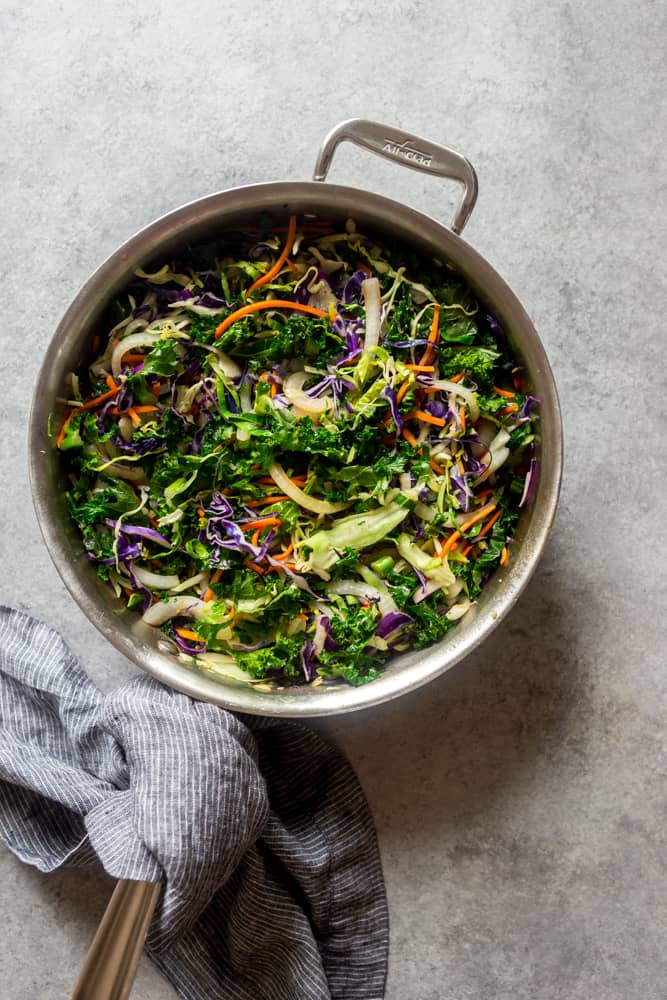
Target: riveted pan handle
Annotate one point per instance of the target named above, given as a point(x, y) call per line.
point(408, 150)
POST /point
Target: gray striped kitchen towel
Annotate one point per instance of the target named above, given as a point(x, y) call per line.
point(258, 829)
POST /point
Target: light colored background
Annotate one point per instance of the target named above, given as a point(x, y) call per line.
point(520, 800)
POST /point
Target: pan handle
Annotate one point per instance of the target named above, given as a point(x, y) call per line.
point(408, 150)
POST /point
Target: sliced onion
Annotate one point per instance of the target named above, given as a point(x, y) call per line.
point(125, 427)
point(226, 364)
point(282, 480)
point(293, 389)
point(156, 581)
point(354, 588)
point(162, 611)
point(133, 474)
point(458, 610)
point(192, 582)
point(218, 663)
point(128, 344)
point(460, 390)
point(371, 291)
point(328, 266)
point(430, 587)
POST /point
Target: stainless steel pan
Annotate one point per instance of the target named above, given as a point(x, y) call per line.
point(205, 219)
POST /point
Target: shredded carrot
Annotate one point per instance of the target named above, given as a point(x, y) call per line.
point(428, 418)
point(466, 551)
point(273, 271)
point(504, 392)
point(484, 493)
point(364, 267)
point(459, 465)
point(208, 595)
point(436, 467)
point(134, 416)
point(462, 418)
point(433, 337)
point(402, 391)
point(512, 408)
point(288, 552)
point(409, 437)
point(186, 633)
point(262, 522)
point(517, 382)
point(304, 618)
point(113, 389)
point(450, 543)
point(63, 428)
point(132, 358)
point(489, 524)
point(267, 500)
point(458, 377)
point(201, 511)
point(420, 368)
point(216, 576)
point(504, 556)
point(255, 537)
point(267, 304)
point(477, 516)
point(274, 390)
point(252, 565)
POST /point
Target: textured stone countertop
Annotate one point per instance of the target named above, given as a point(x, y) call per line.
point(520, 799)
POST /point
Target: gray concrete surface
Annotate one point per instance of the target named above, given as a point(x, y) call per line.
point(520, 800)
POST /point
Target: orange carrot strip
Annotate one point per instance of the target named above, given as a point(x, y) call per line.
point(186, 633)
point(489, 524)
point(273, 271)
point(63, 428)
point(512, 408)
point(113, 389)
point(420, 368)
point(252, 565)
point(458, 377)
point(402, 391)
point(255, 537)
point(409, 437)
point(436, 467)
point(428, 418)
point(216, 576)
point(504, 392)
point(504, 556)
point(450, 543)
point(262, 522)
point(462, 418)
point(134, 416)
point(274, 390)
point(288, 552)
point(132, 358)
point(478, 516)
point(267, 304)
point(144, 409)
point(466, 551)
point(266, 500)
point(433, 337)
point(208, 595)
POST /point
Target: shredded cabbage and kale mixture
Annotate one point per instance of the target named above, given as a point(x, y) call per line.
point(299, 452)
